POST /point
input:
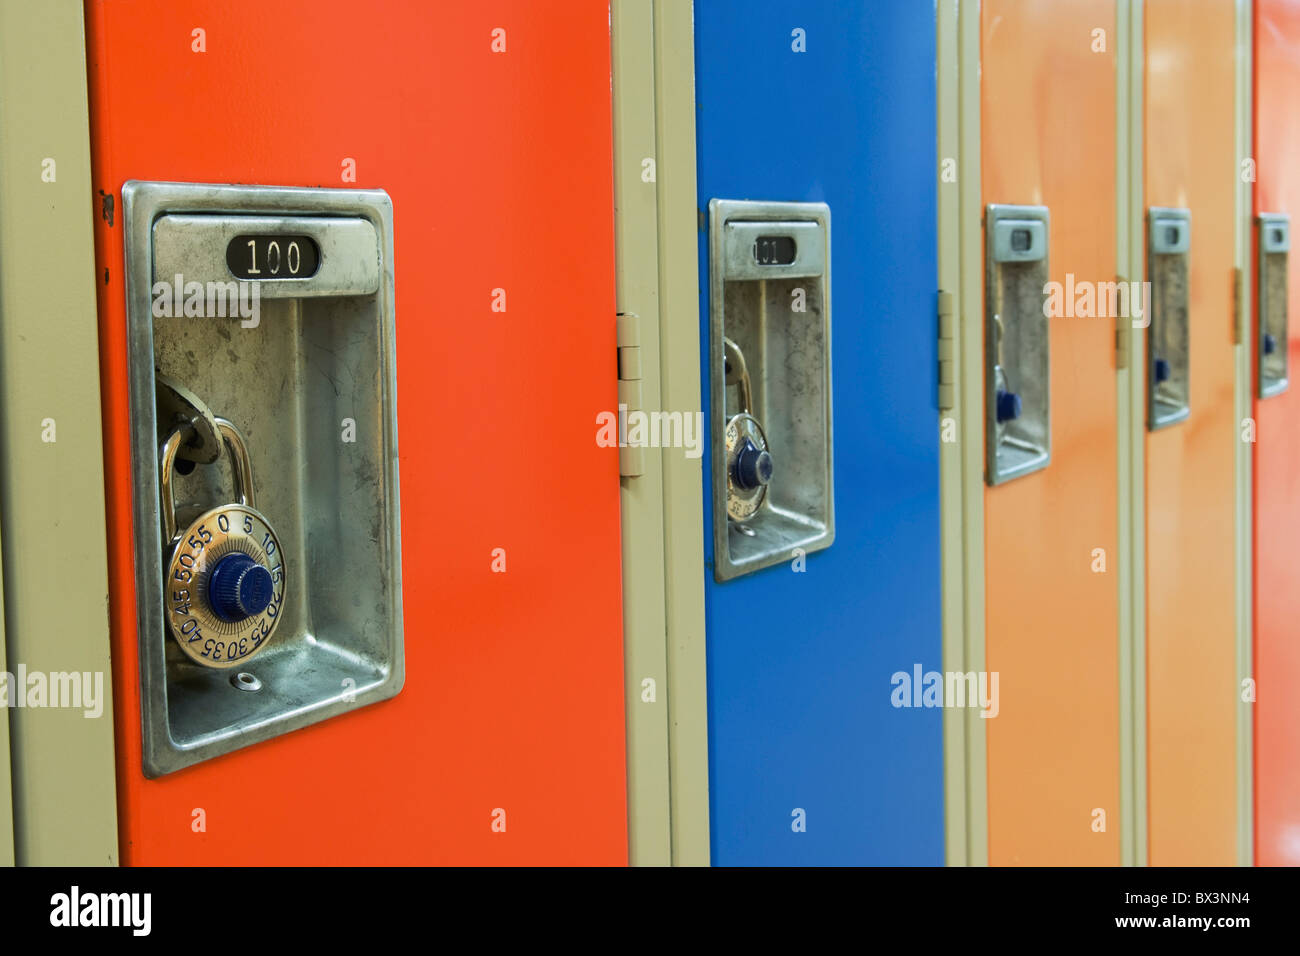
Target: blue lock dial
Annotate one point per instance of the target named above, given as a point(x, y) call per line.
point(1008, 406)
point(239, 587)
point(753, 466)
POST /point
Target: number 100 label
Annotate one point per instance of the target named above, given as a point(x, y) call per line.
point(272, 257)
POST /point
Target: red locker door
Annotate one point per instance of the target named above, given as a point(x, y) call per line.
point(1277, 460)
point(498, 163)
point(1191, 637)
point(1048, 138)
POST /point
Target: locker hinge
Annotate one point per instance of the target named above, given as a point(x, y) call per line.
point(631, 461)
point(1123, 331)
point(1238, 320)
point(947, 354)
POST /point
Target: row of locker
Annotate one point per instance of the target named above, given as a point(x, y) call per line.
point(979, 553)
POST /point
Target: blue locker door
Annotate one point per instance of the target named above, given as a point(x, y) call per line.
point(800, 664)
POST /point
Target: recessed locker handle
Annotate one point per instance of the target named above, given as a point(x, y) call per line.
point(1272, 332)
point(1018, 436)
point(769, 387)
point(1169, 244)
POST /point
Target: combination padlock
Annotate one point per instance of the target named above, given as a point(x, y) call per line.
point(749, 463)
point(1008, 405)
point(224, 581)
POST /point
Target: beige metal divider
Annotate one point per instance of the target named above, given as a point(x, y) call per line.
point(6, 785)
point(51, 458)
point(1244, 477)
point(1131, 404)
point(961, 461)
point(662, 505)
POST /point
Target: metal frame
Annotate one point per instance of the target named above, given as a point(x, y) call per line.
point(813, 532)
point(1032, 333)
point(1272, 251)
point(144, 204)
point(1169, 263)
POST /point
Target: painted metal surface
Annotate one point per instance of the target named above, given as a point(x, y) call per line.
point(962, 462)
point(801, 725)
point(6, 786)
point(1243, 465)
point(1048, 138)
point(507, 743)
point(642, 517)
point(688, 737)
point(1130, 384)
point(663, 586)
point(1190, 483)
point(55, 573)
point(1277, 462)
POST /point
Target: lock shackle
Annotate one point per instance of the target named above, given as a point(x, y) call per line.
point(736, 372)
point(231, 438)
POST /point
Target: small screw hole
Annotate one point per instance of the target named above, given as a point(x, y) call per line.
point(246, 681)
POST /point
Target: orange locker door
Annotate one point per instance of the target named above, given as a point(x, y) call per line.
point(1277, 460)
point(488, 124)
point(1048, 139)
point(1190, 624)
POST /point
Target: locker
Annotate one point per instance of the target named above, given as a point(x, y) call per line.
point(1276, 447)
point(1190, 491)
point(815, 136)
point(1047, 115)
point(483, 136)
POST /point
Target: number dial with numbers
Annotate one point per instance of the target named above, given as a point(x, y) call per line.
point(743, 503)
point(206, 635)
